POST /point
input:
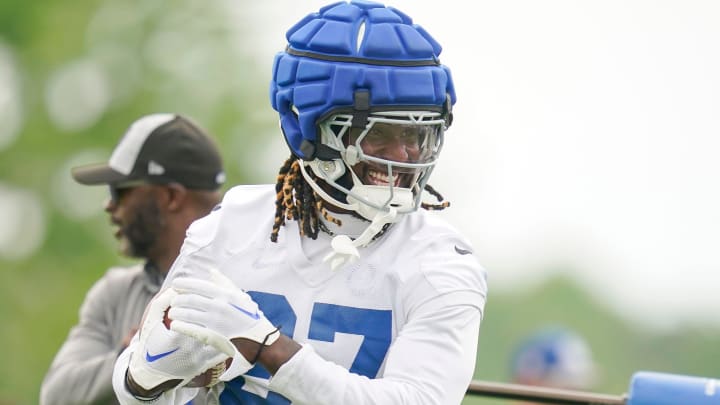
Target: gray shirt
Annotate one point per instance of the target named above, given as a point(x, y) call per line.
point(81, 372)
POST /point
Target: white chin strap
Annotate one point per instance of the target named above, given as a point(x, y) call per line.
point(345, 250)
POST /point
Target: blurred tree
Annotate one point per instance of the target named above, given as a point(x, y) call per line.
point(73, 76)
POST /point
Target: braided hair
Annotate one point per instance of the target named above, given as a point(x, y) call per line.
point(296, 200)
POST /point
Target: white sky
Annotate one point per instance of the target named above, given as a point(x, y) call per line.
point(586, 138)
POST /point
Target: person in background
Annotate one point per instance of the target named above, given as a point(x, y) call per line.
point(164, 173)
point(337, 284)
point(554, 357)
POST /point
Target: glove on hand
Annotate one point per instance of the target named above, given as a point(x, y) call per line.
point(162, 354)
point(215, 311)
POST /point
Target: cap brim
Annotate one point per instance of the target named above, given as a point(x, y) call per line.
point(97, 174)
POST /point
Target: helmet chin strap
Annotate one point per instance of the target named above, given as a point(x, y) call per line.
point(345, 250)
point(322, 193)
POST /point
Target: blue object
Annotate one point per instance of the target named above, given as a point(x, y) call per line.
point(554, 357)
point(355, 57)
point(253, 315)
point(325, 321)
point(153, 358)
point(650, 388)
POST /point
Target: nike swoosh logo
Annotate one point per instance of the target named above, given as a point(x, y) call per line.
point(151, 358)
point(462, 251)
point(248, 313)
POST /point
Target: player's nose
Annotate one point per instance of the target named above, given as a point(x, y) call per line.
point(396, 151)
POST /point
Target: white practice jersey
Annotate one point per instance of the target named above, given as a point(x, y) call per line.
point(398, 326)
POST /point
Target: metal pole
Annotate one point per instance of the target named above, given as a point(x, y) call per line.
point(542, 394)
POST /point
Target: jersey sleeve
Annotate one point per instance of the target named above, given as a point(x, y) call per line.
point(82, 369)
point(191, 256)
point(198, 253)
point(174, 396)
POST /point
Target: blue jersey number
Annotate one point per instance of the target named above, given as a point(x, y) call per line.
point(327, 319)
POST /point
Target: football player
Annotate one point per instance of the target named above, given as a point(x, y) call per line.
point(335, 285)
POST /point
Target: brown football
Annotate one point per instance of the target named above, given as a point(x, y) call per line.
point(166, 319)
point(211, 375)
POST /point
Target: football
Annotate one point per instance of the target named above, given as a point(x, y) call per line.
point(166, 319)
point(211, 375)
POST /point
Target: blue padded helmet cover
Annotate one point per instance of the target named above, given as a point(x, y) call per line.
point(328, 59)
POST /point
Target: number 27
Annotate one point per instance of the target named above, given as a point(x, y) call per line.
point(327, 319)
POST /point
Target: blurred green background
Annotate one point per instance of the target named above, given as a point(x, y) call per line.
point(75, 74)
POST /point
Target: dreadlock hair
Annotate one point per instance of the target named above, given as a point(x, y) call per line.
point(435, 207)
point(296, 200)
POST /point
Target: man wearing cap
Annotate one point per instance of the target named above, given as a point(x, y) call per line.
point(164, 173)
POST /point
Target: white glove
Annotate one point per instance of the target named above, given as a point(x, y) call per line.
point(162, 354)
point(216, 311)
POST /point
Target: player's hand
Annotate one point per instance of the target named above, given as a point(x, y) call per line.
point(215, 311)
point(163, 355)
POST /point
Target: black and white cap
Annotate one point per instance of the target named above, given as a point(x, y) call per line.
point(160, 149)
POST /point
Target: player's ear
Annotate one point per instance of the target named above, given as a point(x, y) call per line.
point(176, 196)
